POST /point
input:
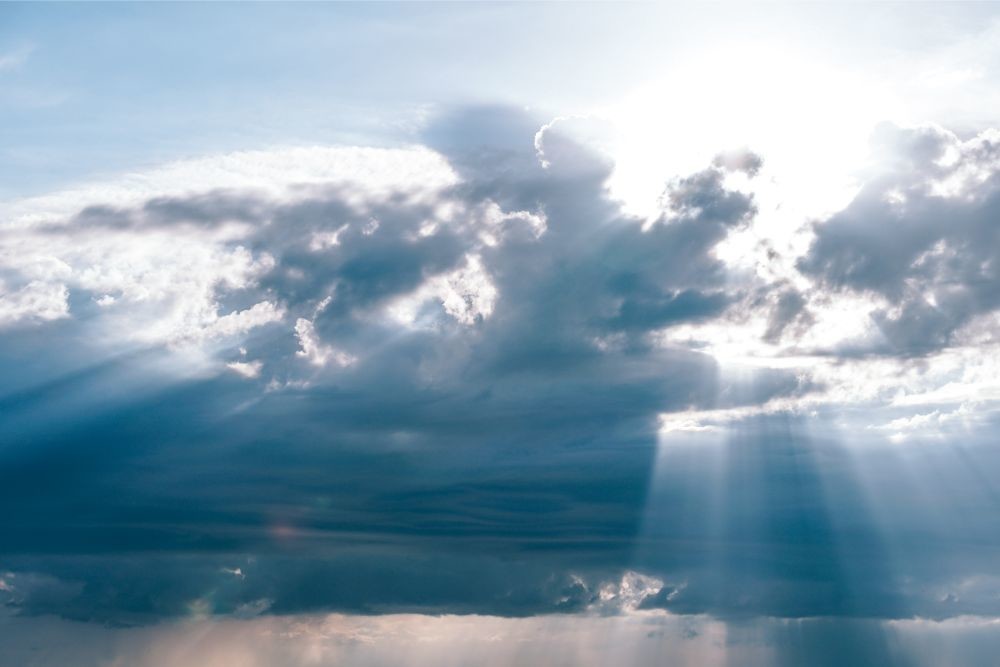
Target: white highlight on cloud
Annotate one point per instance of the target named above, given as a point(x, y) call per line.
point(155, 286)
point(467, 294)
point(163, 286)
point(312, 348)
point(324, 240)
point(716, 420)
point(248, 369)
point(496, 223)
point(159, 286)
point(240, 322)
point(948, 393)
point(37, 301)
point(571, 143)
point(627, 594)
point(288, 174)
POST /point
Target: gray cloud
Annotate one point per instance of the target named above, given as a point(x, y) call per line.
point(789, 309)
point(454, 408)
point(921, 235)
point(512, 411)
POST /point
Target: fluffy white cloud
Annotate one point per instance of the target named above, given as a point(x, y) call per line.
point(288, 173)
point(248, 369)
point(37, 300)
point(314, 350)
point(165, 284)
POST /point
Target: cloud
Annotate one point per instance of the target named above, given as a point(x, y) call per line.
point(316, 352)
point(34, 301)
point(248, 369)
point(919, 238)
point(436, 396)
point(366, 334)
point(789, 308)
point(743, 160)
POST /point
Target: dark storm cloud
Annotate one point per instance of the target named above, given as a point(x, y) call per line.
point(347, 515)
point(921, 234)
point(496, 461)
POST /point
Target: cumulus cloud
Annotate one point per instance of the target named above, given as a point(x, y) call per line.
point(36, 300)
point(446, 307)
point(919, 237)
point(338, 261)
point(463, 380)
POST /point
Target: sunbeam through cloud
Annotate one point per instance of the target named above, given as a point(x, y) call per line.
point(499, 334)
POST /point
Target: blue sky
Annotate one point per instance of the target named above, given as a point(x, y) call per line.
point(523, 333)
point(99, 89)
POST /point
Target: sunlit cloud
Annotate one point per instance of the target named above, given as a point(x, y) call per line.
point(667, 336)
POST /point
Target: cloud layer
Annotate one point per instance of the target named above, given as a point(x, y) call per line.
point(460, 378)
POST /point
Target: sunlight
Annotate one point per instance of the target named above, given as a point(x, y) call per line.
point(787, 106)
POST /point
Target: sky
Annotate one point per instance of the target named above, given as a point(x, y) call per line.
point(502, 334)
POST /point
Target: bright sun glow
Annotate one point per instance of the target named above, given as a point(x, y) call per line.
point(784, 105)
